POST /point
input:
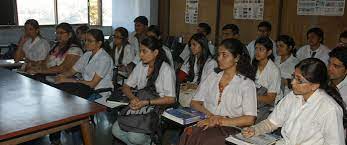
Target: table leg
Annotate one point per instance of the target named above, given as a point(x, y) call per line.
point(86, 133)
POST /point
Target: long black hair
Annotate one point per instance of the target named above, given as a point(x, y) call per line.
point(237, 49)
point(98, 35)
point(315, 71)
point(153, 44)
point(34, 24)
point(124, 34)
point(73, 41)
point(267, 43)
point(205, 55)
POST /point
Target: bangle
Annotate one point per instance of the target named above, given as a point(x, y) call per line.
point(149, 101)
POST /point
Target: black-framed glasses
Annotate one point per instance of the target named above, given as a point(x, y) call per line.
point(299, 81)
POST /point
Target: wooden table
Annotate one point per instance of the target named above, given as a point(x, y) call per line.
point(30, 109)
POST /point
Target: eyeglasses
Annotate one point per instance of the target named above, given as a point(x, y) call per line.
point(299, 81)
point(89, 41)
point(60, 32)
point(117, 37)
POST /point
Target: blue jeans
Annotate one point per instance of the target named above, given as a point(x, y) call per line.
point(130, 138)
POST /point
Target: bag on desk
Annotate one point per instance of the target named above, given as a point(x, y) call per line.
point(146, 119)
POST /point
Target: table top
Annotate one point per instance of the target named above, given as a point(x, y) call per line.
point(28, 106)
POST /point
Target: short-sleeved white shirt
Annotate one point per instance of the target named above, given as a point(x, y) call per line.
point(287, 69)
point(251, 49)
point(270, 78)
point(318, 121)
point(322, 53)
point(134, 42)
point(238, 97)
point(208, 68)
point(168, 55)
point(165, 83)
point(128, 54)
point(101, 64)
point(56, 60)
point(36, 50)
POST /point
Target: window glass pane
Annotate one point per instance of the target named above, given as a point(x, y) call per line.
point(40, 10)
point(73, 11)
point(107, 12)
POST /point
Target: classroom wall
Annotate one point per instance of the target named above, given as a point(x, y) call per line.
point(281, 13)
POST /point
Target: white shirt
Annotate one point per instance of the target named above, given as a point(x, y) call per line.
point(56, 60)
point(128, 55)
point(238, 97)
point(318, 121)
point(322, 53)
point(36, 50)
point(287, 69)
point(270, 78)
point(134, 42)
point(342, 87)
point(168, 55)
point(165, 83)
point(251, 49)
point(101, 64)
point(186, 51)
point(208, 68)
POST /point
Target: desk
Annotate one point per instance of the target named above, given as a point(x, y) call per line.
point(30, 109)
point(10, 63)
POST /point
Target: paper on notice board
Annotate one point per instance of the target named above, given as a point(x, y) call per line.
point(192, 11)
point(321, 7)
point(249, 9)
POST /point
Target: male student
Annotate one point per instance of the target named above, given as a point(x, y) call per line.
point(141, 25)
point(205, 29)
point(342, 39)
point(264, 29)
point(230, 31)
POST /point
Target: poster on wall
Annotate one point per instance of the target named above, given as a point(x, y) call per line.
point(249, 9)
point(191, 14)
point(321, 7)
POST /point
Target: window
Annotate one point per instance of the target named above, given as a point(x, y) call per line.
point(107, 12)
point(72, 11)
point(30, 9)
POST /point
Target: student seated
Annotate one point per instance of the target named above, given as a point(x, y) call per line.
point(230, 31)
point(268, 78)
point(81, 32)
point(264, 30)
point(154, 31)
point(95, 66)
point(153, 71)
point(312, 114)
point(64, 53)
point(141, 26)
point(315, 47)
point(285, 61)
point(198, 66)
point(32, 47)
point(205, 29)
point(121, 51)
point(337, 70)
point(227, 97)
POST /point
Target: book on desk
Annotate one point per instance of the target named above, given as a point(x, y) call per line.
point(184, 116)
point(264, 139)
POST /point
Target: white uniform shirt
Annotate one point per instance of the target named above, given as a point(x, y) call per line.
point(208, 68)
point(36, 50)
point(128, 54)
point(238, 97)
point(168, 55)
point(101, 64)
point(318, 121)
point(186, 51)
point(322, 53)
point(287, 69)
point(270, 78)
point(54, 60)
point(342, 87)
point(251, 49)
point(136, 47)
point(165, 83)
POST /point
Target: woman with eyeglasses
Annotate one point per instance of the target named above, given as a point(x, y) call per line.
point(64, 53)
point(95, 66)
point(121, 50)
point(32, 46)
point(313, 113)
